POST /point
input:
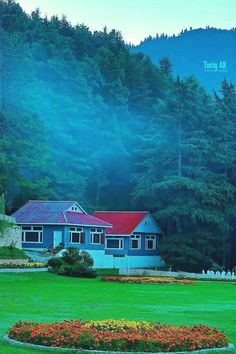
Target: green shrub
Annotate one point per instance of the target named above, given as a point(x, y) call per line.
point(76, 270)
point(69, 259)
point(73, 263)
point(10, 252)
point(65, 270)
point(55, 262)
point(86, 259)
point(2, 204)
point(81, 270)
point(73, 255)
point(5, 224)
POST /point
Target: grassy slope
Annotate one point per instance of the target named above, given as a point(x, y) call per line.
point(11, 253)
point(46, 297)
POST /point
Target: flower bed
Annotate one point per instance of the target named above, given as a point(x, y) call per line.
point(116, 335)
point(22, 265)
point(155, 280)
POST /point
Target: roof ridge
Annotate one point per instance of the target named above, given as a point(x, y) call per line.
point(101, 220)
point(88, 216)
point(117, 211)
point(64, 216)
point(52, 201)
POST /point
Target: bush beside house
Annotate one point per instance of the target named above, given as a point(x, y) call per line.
point(15, 258)
point(73, 263)
point(12, 257)
point(10, 252)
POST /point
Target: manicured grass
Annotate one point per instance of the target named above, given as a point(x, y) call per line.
point(46, 297)
point(107, 271)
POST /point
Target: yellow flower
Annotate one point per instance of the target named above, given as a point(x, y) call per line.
point(118, 325)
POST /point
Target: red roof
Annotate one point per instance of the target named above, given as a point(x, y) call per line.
point(124, 222)
point(84, 219)
point(54, 212)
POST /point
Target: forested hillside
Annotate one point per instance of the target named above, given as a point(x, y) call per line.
point(82, 118)
point(207, 53)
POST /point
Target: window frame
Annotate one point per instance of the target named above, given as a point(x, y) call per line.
point(152, 238)
point(135, 237)
point(76, 231)
point(30, 229)
point(95, 231)
point(110, 238)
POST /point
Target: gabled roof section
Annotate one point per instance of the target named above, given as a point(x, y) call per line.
point(54, 212)
point(76, 207)
point(85, 219)
point(123, 222)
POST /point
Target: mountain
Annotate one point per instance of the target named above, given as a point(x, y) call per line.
point(209, 54)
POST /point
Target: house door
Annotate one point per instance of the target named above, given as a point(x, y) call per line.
point(57, 238)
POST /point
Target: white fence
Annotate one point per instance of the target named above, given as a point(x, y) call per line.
point(204, 275)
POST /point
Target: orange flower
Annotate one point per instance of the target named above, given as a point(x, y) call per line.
point(119, 335)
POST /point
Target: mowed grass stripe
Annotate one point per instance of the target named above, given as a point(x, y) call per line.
point(44, 297)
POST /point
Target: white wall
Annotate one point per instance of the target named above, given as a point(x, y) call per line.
point(204, 275)
point(101, 260)
point(11, 236)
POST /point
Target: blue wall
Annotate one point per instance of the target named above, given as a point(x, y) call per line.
point(143, 251)
point(140, 252)
point(83, 246)
point(48, 242)
point(47, 237)
point(48, 231)
point(124, 251)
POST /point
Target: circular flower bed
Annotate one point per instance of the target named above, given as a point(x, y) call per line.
point(118, 335)
point(154, 280)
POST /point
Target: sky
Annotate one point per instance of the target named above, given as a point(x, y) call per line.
point(137, 19)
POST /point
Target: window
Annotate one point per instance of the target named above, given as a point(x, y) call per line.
point(114, 243)
point(32, 234)
point(150, 242)
point(74, 208)
point(135, 242)
point(76, 235)
point(96, 236)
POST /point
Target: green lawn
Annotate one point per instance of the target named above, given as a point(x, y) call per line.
point(46, 297)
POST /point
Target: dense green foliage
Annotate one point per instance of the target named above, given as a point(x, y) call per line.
point(2, 204)
point(9, 252)
point(82, 118)
point(73, 263)
point(4, 225)
point(59, 298)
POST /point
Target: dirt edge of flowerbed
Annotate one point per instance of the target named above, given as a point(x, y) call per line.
point(42, 347)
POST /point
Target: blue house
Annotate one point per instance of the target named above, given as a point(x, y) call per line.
point(47, 224)
point(133, 239)
point(114, 239)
